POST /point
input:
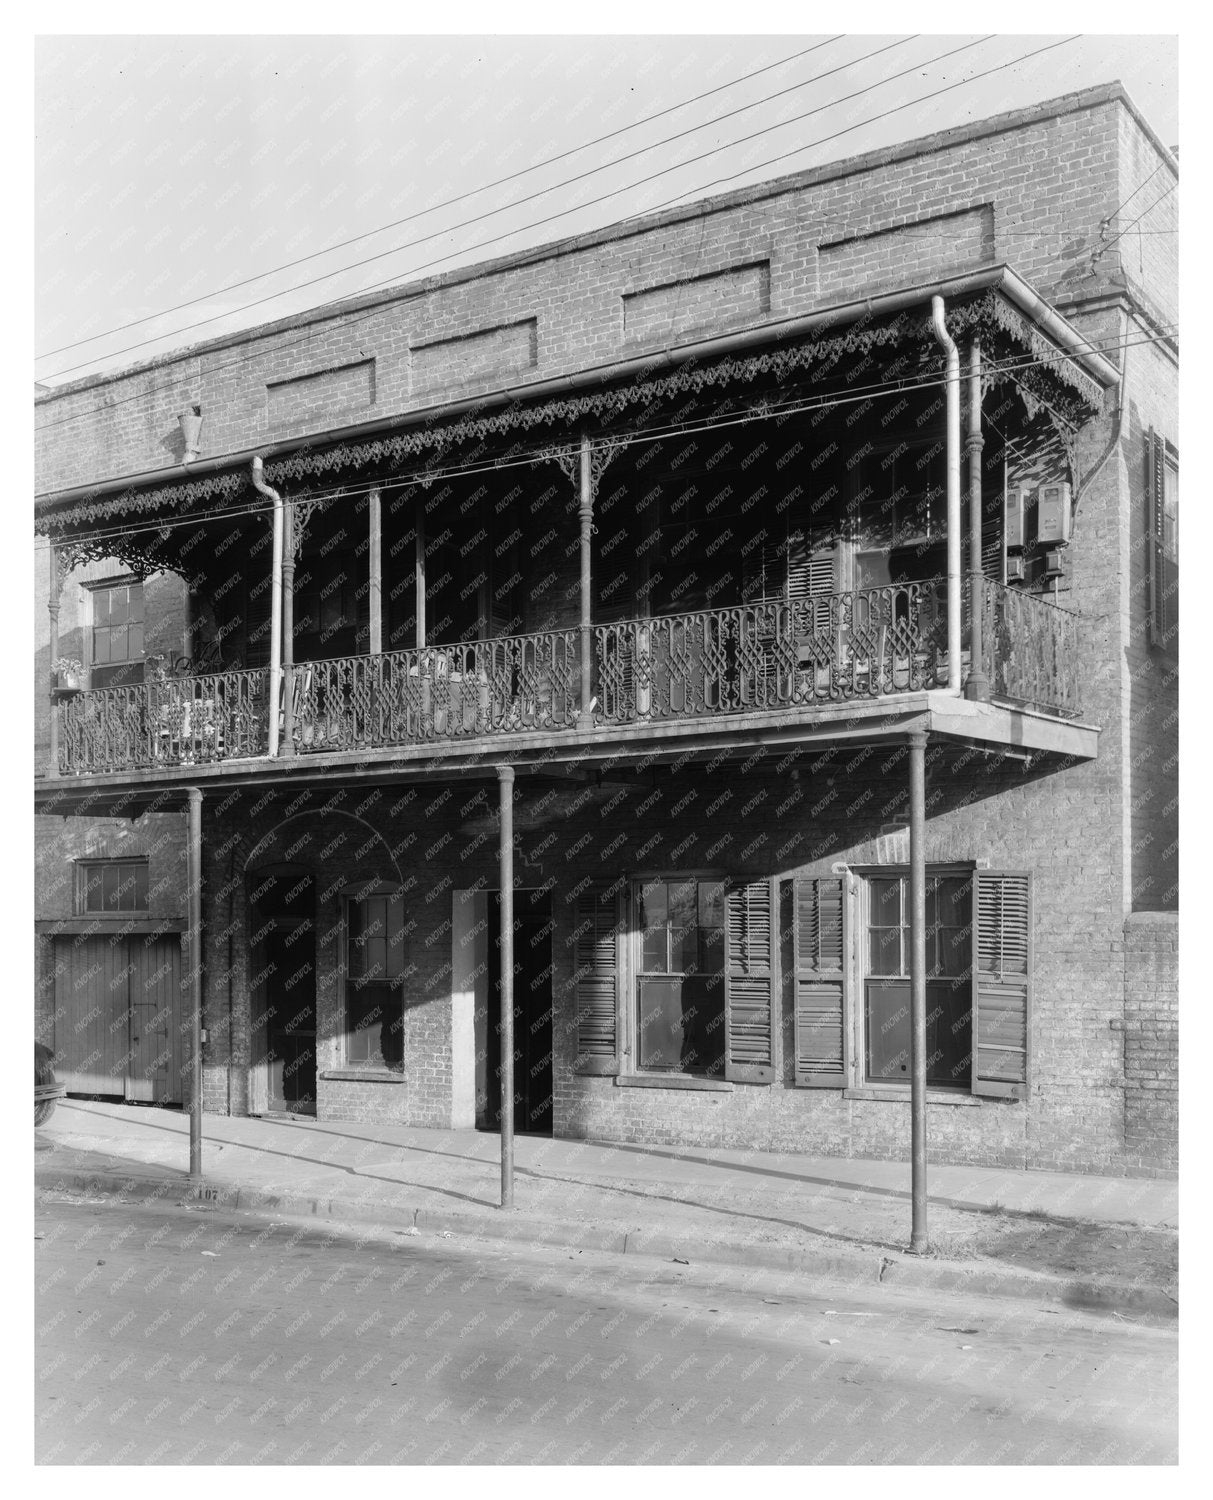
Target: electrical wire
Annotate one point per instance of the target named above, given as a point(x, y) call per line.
point(354, 321)
point(471, 193)
point(762, 412)
point(541, 193)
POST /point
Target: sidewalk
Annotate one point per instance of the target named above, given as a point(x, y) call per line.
point(1077, 1240)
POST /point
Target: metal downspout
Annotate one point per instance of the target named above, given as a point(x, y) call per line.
point(262, 488)
point(944, 339)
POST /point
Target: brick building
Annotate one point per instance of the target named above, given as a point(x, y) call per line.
point(782, 587)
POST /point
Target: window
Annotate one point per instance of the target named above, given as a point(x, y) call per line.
point(949, 980)
point(117, 635)
point(1163, 536)
point(680, 990)
point(374, 1002)
point(111, 887)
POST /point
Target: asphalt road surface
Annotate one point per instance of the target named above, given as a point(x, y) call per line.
point(174, 1335)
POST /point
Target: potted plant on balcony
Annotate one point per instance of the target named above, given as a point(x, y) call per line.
point(69, 674)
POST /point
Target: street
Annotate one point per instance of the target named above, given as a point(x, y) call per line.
point(187, 1335)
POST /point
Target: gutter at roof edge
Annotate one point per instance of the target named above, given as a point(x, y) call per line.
point(993, 278)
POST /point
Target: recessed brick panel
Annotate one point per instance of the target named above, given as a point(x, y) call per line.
point(942, 243)
point(699, 303)
point(342, 392)
point(475, 357)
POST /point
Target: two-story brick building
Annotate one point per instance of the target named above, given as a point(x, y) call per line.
point(779, 589)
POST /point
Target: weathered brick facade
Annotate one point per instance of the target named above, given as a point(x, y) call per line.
point(1099, 836)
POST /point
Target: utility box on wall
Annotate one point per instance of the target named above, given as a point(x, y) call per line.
point(1053, 515)
point(1016, 507)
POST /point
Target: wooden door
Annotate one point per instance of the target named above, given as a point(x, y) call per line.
point(154, 1016)
point(90, 1014)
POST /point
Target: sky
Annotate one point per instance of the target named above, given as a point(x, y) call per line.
point(173, 172)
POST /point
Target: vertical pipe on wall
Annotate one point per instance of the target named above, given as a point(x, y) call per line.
point(944, 338)
point(52, 601)
point(375, 589)
point(262, 488)
point(585, 512)
point(505, 777)
point(918, 993)
point(288, 630)
point(194, 969)
point(977, 685)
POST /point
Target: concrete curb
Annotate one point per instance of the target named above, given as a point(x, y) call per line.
point(838, 1266)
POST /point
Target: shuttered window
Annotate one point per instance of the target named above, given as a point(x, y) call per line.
point(597, 983)
point(749, 975)
point(818, 951)
point(374, 1000)
point(1002, 978)
point(1163, 543)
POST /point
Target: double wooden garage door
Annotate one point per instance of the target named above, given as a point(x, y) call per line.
point(118, 1015)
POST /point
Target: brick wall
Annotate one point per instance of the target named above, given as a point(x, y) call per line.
point(1151, 1037)
point(1046, 178)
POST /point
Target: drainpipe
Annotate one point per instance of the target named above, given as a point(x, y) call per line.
point(977, 687)
point(262, 488)
point(944, 339)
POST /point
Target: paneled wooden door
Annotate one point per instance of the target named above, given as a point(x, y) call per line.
point(118, 1017)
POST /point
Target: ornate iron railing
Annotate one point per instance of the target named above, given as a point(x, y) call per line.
point(754, 658)
point(761, 657)
point(172, 721)
point(436, 693)
point(1029, 649)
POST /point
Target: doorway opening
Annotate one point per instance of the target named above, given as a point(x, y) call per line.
point(282, 914)
point(532, 1016)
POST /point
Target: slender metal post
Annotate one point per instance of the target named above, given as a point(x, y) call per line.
point(918, 992)
point(585, 512)
point(505, 777)
point(289, 550)
point(952, 404)
point(420, 577)
point(375, 590)
point(53, 606)
point(977, 687)
point(194, 969)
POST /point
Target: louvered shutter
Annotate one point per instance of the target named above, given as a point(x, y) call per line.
point(1002, 981)
point(749, 965)
point(819, 948)
point(811, 580)
point(597, 983)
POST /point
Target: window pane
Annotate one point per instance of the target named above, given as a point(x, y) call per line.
point(395, 936)
point(140, 887)
point(711, 950)
point(711, 903)
point(884, 950)
point(101, 647)
point(886, 903)
point(681, 1025)
point(134, 602)
point(110, 879)
point(653, 917)
point(134, 642)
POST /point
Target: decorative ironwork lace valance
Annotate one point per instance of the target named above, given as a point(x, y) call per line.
point(1046, 376)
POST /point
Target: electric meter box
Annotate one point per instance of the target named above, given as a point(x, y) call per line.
point(1013, 521)
point(1015, 570)
point(1053, 514)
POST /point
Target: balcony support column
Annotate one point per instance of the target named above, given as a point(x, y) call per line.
point(419, 612)
point(952, 382)
point(505, 778)
point(375, 589)
point(290, 550)
point(193, 948)
point(53, 607)
point(977, 686)
point(585, 513)
point(918, 994)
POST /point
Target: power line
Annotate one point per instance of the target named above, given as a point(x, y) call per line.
point(910, 104)
point(762, 412)
point(354, 321)
point(543, 192)
point(471, 193)
point(1103, 249)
